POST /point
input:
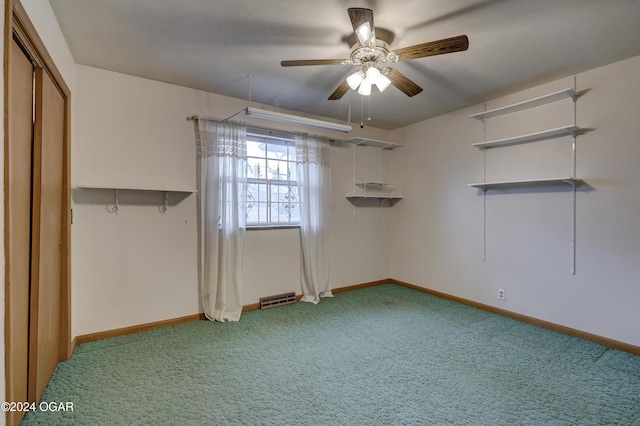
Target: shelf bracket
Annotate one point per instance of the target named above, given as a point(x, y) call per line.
point(484, 189)
point(116, 205)
point(573, 183)
point(572, 131)
point(165, 202)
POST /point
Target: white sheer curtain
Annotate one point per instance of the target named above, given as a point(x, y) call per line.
point(222, 165)
point(314, 186)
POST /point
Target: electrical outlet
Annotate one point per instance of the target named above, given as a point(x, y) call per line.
point(500, 294)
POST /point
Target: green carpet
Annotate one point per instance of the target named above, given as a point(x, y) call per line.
point(384, 355)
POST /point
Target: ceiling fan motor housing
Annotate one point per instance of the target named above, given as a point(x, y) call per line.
point(378, 55)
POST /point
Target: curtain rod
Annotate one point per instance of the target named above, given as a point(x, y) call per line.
point(195, 118)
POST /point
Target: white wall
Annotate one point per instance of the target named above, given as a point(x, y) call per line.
point(437, 229)
point(139, 266)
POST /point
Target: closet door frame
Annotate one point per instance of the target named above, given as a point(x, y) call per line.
point(18, 25)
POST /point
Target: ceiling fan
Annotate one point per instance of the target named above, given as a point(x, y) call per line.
point(373, 54)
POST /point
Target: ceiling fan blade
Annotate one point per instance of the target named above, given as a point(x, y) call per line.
point(340, 91)
point(439, 47)
point(402, 82)
point(304, 62)
point(362, 22)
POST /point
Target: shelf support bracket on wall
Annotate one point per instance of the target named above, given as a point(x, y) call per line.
point(116, 205)
point(380, 179)
point(573, 182)
point(165, 202)
point(571, 130)
point(484, 190)
point(355, 150)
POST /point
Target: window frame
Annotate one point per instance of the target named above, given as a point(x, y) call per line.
point(272, 138)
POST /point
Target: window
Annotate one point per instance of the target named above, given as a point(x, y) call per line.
point(272, 188)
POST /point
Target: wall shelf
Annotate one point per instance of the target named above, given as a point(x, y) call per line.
point(372, 190)
point(133, 188)
point(570, 130)
point(373, 142)
point(375, 184)
point(375, 190)
point(116, 191)
point(531, 103)
point(531, 137)
point(485, 186)
point(373, 197)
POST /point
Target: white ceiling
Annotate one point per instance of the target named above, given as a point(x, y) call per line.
point(213, 45)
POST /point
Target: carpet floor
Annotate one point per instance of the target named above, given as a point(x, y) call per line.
point(384, 355)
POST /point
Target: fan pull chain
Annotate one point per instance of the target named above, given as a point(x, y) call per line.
point(369, 117)
point(361, 111)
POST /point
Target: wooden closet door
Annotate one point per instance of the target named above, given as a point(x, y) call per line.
point(18, 223)
point(48, 182)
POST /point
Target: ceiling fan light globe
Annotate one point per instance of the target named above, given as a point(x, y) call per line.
point(365, 88)
point(372, 75)
point(382, 83)
point(355, 79)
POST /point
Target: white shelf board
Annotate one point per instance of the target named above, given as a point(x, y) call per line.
point(531, 137)
point(531, 103)
point(373, 142)
point(127, 188)
point(514, 183)
point(375, 197)
point(378, 184)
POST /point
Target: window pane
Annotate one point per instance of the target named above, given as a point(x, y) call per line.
point(285, 202)
point(255, 149)
point(272, 193)
point(277, 170)
point(256, 168)
point(252, 213)
point(295, 212)
point(293, 171)
point(264, 214)
point(278, 150)
point(258, 214)
point(278, 213)
point(262, 193)
point(275, 192)
point(288, 194)
point(292, 154)
point(252, 194)
point(288, 166)
point(272, 153)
